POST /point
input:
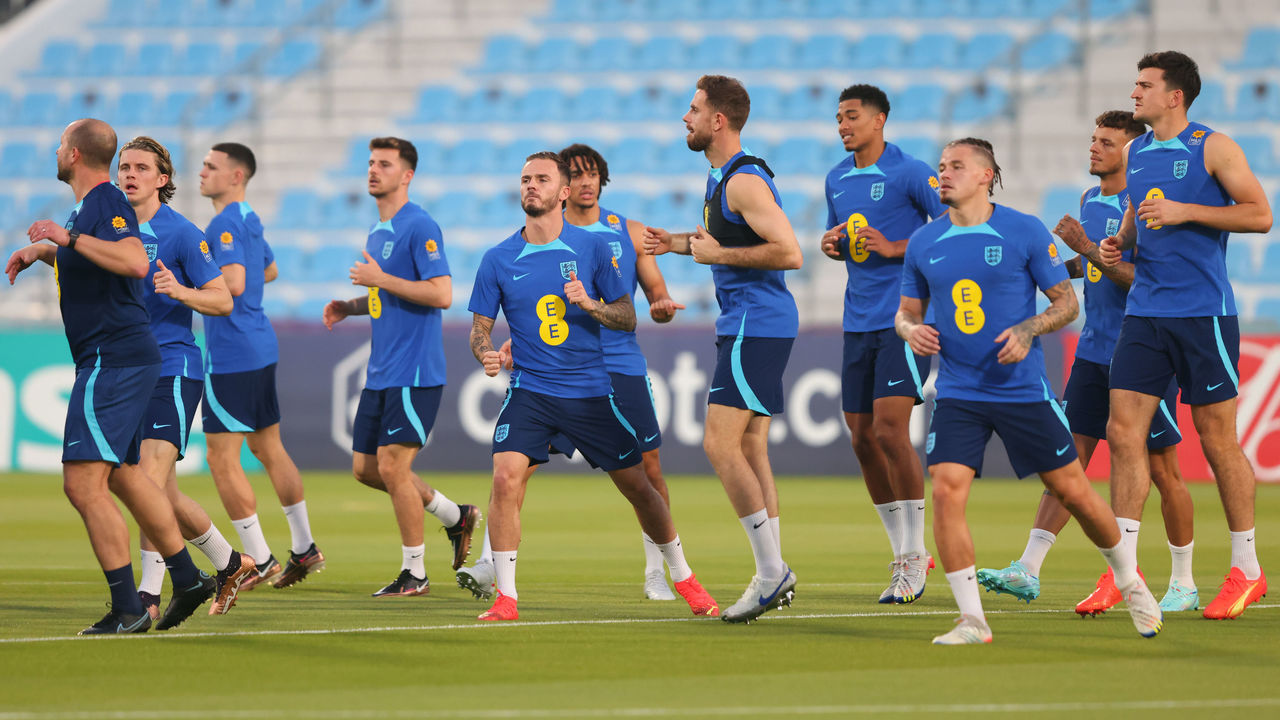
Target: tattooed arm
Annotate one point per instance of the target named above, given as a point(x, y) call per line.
point(1063, 308)
point(482, 344)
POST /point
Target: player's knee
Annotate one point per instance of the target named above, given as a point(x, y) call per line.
point(890, 434)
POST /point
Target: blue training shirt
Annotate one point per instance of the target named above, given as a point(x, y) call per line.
point(1104, 301)
point(622, 352)
point(753, 303)
point(981, 280)
point(896, 195)
point(172, 239)
point(408, 347)
point(103, 313)
point(555, 343)
point(244, 340)
point(1179, 270)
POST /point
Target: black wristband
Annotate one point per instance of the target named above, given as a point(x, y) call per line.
point(71, 239)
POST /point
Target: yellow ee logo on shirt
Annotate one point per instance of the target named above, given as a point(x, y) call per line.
point(1154, 194)
point(967, 296)
point(857, 246)
point(375, 303)
point(1092, 273)
point(553, 330)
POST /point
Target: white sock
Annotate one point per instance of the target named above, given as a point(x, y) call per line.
point(1129, 534)
point(251, 538)
point(673, 554)
point(652, 555)
point(1037, 549)
point(912, 527)
point(412, 560)
point(215, 547)
point(1244, 554)
point(764, 546)
point(964, 586)
point(1123, 562)
point(299, 527)
point(486, 550)
point(445, 510)
point(1181, 557)
point(891, 516)
point(152, 572)
point(776, 524)
point(504, 573)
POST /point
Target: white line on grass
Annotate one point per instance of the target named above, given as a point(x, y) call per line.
point(682, 711)
point(777, 617)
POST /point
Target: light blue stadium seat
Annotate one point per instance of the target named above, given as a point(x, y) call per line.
point(996, 9)
point(358, 13)
point(225, 107)
point(503, 53)
point(292, 58)
point(201, 58)
point(554, 54)
point(573, 10)
point(133, 108)
point(348, 210)
point(485, 105)
point(1241, 265)
point(1210, 104)
point(714, 53)
point(1261, 50)
point(500, 212)
point(10, 218)
point(766, 102)
point(632, 155)
point(826, 9)
point(545, 103)
point(269, 14)
point(1047, 51)
point(176, 107)
point(880, 50)
point(245, 52)
point(608, 52)
point(934, 9)
point(810, 102)
point(1112, 9)
point(58, 59)
point(470, 156)
point(298, 209)
point(984, 49)
point(650, 103)
point(918, 103)
point(23, 160)
point(671, 10)
point(822, 51)
point(39, 108)
point(597, 102)
point(1058, 201)
point(453, 209)
point(1270, 260)
point(979, 103)
point(124, 13)
point(924, 149)
point(154, 58)
point(1258, 150)
point(89, 103)
point(931, 50)
point(767, 52)
point(436, 103)
point(42, 205)
point(1254, 101)
point(624, 202)
point(1043, 9)
point(291, 261)
point(795, 156)
point(660, 53)
point(6, 107)
point(1268, 310)
point(107, 59)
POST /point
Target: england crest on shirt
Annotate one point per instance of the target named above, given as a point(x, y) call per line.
point(1179, 169)
point(151, 251)
point(387, 247)
point(1113, 226)
point(994, 254)
point(570, 266)
point(877, 191)
point(616, 247)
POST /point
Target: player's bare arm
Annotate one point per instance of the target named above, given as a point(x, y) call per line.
point(661, 307)
point(659, 242)
point(26, 257)
point(1072, 233)
point(876, 242)
point(1063, 308)
point(125, 256)
point(617, 315)
point(435, 292)
point(749, 196)
point(831, 239)
point(234, 275)
point(270, 272)
point(482, 344)
point(909, 324)
point(212, 298)
point(1225, 162)
point(338, 310)
point(1110, 249)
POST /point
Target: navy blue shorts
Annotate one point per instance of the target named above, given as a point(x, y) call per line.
point(1035, 434)
point(1203, 353)
point(880, 364)
point(172, 410)
point(529, 421)
point(749, 373)
point(105, 411)
point(241, 402)
point(1087, 401)
point(394, 416)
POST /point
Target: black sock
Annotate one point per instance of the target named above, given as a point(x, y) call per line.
point(182, 571)
point(124, 593)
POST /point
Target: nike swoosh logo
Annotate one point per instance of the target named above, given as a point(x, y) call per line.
point(894, 509)
point(114, 583)
point(920, 508)
point(624, 455)
point(246, 527)
point(720, 388)
point(1156, 435)
point(1211, 388)
point(519, 277)
point(756, 526)
point(651, 437)
point(73, 442)
point(512, 559)
point(895, 382)
point(157, 427)
point(1063, 450)
point(766, 600)
point(934, 260)
point(970, 577)
point(836, 195)
point(393, 432)
point(415, 557)
point(1135, 171)
point(1130, 530)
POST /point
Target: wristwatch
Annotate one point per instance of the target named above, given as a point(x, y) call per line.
point(71, 239)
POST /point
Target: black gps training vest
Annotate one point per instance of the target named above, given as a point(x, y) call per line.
point(725, 231)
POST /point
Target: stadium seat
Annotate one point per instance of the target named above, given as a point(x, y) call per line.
point(554, 54)
point(810, 102)
point(224, 107)
point(606, 53)
point(9, 215)
point(354, 14)
point(1046, 51)
point(934, 9)
point(1270, 260)
point(660, 53)
point(984, 50)
point(542, 104)
point(1254, 101)
point(995, 9)
point(6, 107)
point(822, 51)
point(473, 155)
point(1258, 150)
point(1241, 264)
point(292, 58)
point(23, 160)
point(245, 53)
point(58, 59)
point(767, 52)
point(124, 13)
point(594, 103)
point(651, 103)
point(714, 53)
point(876, 51)
point(632, 155)
point(39, 109)
point(980, 102)
point(1059, 201)
point(1210, 104)
point(201, 58)
point(766, 102)
point(154, 58)
point(1268, 310)
point(491, 104)
point(796, 156)
point(133, 108)
point(177, 107)
point(269, 14)
point(1044, 9)
point(931, 50)
point(503, 53)
point(347, 210)
point(918, 103)
point(1261, 50)
point(108, 59)
point(1112, 9)
point(298, 209)
point(924, 149)
point(453, 209)
point(436, 103)
point(88, 103)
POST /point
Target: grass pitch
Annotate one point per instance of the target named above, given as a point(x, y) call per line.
point(588, 646)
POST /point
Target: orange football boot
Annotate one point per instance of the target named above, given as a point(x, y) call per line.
point(504, 608)
point(700, 601)
point(1235, 594)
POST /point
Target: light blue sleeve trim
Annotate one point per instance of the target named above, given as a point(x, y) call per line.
point(1222, 352)
point(224, 417)
point(407, 400)
point(740, 378)
point(91, 417)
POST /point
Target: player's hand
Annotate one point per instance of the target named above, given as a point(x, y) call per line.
point(831, 242)
point(166, 283)
point(48, 230)
point(923, 340)
point(1017, 343)
point(1109, 251)
point(20, 260)
point(656, 241)
point(506, 359)
point(367, 273)
point(492, 361)
point(704, 248)
point(875, 241)
point(335, 312)
point(664, 309)
point(1072, 233)
point(1159, 212)
point(576, 294)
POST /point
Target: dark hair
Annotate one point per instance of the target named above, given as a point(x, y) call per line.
point(95, 140)
point(870, 95)
point(164, 163)
point(408, 152)
point(989, 156)
point(555, 158)
point(589, 157)
point(240, 154)
point(1180, 73)
point(727, 96)
point(1121, 120)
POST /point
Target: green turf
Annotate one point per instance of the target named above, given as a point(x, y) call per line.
point(588, 646)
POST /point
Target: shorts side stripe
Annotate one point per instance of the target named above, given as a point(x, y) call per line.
point(224, 417)
point(1222, 351)
point(182, 413)
point(412, 414)
point(100, 440)
point(1169, 416)
point(915, 372)
point(740, 378)
point(621, 419)
point(1053, 403)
